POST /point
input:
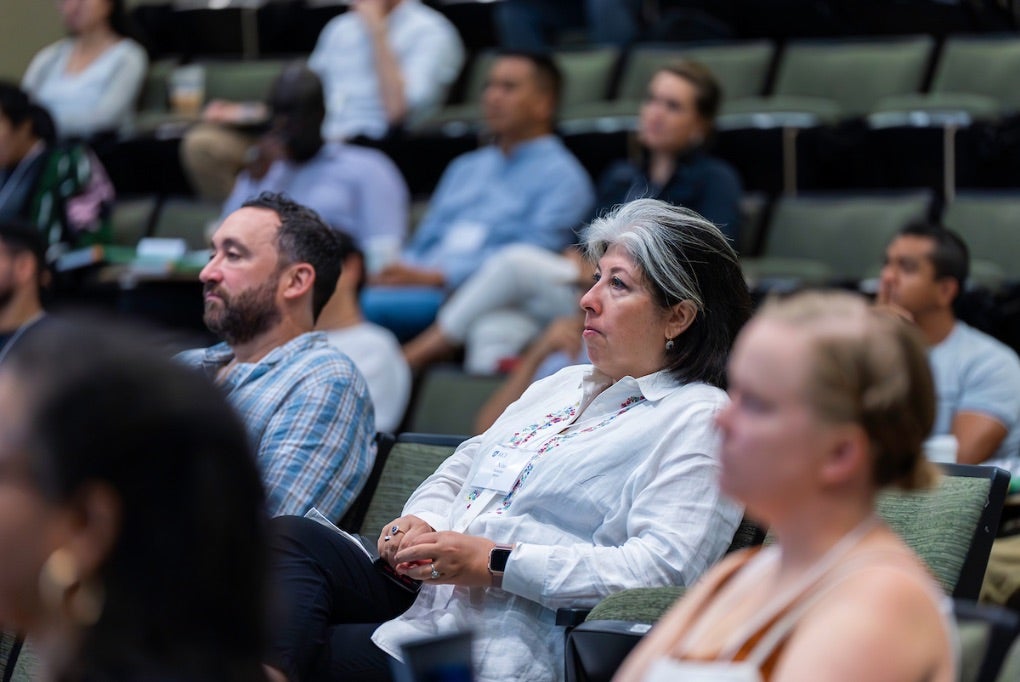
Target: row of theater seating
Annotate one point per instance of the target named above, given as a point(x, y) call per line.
point(274, 27)
point(810, 238)
point(799, 84)
point(951, 528)
point(878, 112)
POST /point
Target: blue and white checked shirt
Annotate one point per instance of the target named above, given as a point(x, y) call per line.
point(309, 416)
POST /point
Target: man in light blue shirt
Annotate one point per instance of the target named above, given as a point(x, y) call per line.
point(525, 188)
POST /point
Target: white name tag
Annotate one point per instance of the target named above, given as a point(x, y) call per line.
point(500, 468)
point(669, 670)
point(464, 236)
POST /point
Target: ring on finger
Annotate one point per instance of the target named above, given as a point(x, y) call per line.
point(394, 529)
point(435, 572)
point(387, 538)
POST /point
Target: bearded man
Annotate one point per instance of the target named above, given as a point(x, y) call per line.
point(274, 265)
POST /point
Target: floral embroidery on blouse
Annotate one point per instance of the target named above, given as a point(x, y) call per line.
point(524, 435)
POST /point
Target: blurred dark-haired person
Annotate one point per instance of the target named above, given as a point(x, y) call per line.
point(274, 265)
point(976, 376)
point(352, 188)
point(374, 349)
point(60, 188)
point(23, 275)
point(90, 80)
point(526, 188)
point(132, 518)
point(675, 124)
point(600, 477)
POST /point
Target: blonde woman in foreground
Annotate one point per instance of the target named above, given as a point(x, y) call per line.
point(830, 403)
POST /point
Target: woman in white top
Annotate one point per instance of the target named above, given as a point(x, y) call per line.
point(89, 81)
point(601, 477)
point(830, 401)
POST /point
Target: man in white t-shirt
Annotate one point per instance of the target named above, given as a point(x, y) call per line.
point(373, 349)
point(977, 378)
point(383, 64)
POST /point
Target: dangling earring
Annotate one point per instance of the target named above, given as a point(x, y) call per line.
point(62, 589)
point(669, 344)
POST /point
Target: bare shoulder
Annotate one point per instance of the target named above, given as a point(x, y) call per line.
point(882, 622)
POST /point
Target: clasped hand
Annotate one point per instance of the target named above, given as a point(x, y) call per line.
point(419, 551)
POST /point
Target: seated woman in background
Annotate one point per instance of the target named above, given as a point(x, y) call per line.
point(830, 402)
point(608, 480)
point(133, 523)
point(61, 188)
point(523, 288)
point(90, 80)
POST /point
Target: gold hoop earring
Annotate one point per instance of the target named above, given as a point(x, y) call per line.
point(61, 589)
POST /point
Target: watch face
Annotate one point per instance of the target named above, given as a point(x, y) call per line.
point(498, 558)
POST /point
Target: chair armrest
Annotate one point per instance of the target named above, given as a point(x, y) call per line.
point(570, 617)
point(595, 649)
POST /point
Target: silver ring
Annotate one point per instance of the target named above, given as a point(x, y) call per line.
point(435, 573)
point(386, 538)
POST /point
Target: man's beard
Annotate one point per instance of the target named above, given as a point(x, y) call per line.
point(241, 319)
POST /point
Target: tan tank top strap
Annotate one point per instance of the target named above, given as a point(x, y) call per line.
point(781, 628)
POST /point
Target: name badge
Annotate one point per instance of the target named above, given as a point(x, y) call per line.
point(464, 236)
point(669, 670)
point(500, 468)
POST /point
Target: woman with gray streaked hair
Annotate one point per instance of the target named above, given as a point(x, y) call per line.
point(599, 478)
point(683, 261)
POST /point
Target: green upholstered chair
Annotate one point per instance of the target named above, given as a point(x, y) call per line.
point(447, 400)
point(187, 219)
point(952, 526)
point(824, 81)
point(412, 459)
point(132, 218)
point(989, 222)
point(825, 238)
point(639, 605)
point(10, 646)
point(241, 80)
point(986, 633)
point(355, 515)
point(976, 78)
point(753, 209)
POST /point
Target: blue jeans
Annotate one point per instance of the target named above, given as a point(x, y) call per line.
point(529, 24)
point(405, 311)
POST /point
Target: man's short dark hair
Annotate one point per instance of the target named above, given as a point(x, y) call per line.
point(349, 247)
point(304, 238)
point(23, 238)
point(547, 74)
point(950, 257)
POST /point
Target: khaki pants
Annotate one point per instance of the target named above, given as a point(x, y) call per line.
point(212, 155)
point(1002, 577)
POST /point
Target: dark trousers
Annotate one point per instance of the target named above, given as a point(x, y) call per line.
point(329, 599)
